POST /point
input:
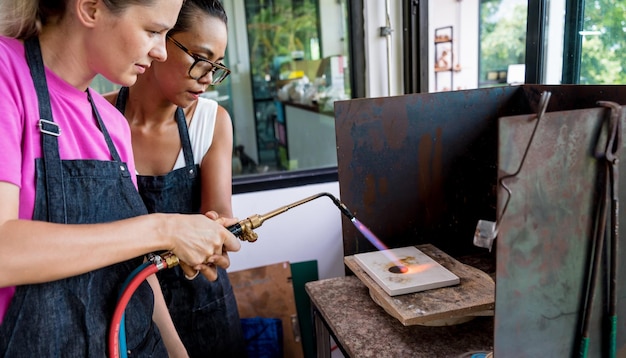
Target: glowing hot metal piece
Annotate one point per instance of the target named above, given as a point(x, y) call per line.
point(398, 269)
point(422, 272)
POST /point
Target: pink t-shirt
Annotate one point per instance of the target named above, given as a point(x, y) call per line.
point(20, 143)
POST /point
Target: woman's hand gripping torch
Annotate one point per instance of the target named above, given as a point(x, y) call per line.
point(244, 230)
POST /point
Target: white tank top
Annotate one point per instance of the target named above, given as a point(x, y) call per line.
point(201, 129)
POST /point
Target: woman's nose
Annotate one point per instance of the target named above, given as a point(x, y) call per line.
point(159, 51)
point(207, 78)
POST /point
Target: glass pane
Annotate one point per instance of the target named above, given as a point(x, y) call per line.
point(298, 68)
point(596, 49)
point(502, 42)
point(102, 85)
point(603, 42)
point(221, 93)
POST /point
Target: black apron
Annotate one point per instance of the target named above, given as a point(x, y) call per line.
point(71, 317)
point(205, 313)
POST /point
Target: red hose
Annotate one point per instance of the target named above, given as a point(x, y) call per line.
point(114, 348)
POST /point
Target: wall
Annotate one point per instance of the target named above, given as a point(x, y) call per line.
point(333, 41)
point(311, 231)
point(376, 58)
point(554, 47)
point(441, 13)
point(462, 15)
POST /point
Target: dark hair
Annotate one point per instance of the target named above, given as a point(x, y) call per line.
point(188, 13)
point(23, 18)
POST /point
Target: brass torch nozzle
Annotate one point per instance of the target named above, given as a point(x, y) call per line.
point(247, 227)
point(244, 229)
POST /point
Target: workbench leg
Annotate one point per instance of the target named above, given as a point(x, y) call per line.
point(322, 336)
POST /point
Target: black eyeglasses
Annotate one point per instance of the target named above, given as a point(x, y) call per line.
point(201, 66)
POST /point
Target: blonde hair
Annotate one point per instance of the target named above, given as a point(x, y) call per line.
point(19, 19)
point(22, 19)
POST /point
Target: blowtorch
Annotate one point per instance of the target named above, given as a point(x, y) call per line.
point(244, 230)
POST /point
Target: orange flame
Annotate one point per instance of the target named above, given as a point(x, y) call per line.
point(413, 269)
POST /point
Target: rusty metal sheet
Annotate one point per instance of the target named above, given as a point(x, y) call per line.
point(419, 168)
point(544, 237)
point(422, 168)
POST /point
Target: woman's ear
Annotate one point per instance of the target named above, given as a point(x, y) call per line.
point(87, 11)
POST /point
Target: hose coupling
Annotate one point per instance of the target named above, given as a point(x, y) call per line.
point(170, 259)
point(157, 261)
point(164, 260)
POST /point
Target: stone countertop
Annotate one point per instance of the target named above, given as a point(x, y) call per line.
point(363, 329)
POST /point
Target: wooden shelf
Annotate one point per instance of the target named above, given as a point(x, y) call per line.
point(443, 36)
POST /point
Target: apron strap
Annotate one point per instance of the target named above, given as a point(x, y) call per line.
point(122, 97)
point(49, 131)
point(181, 121)
point(185, 142)
point(114, 154)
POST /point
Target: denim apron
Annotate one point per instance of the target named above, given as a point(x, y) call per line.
point(71, 317)
point(205, 313)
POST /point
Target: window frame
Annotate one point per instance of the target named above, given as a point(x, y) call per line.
point(293, 178)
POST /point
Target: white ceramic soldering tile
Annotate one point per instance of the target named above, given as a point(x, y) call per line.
point(423, 273)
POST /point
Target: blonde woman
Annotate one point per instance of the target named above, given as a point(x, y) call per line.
point(72, 225)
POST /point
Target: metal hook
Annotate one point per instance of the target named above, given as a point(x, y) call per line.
point(486, 231)
point(543, 104)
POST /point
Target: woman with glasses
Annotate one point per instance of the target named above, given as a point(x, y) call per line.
point(72, 225)
point(182, 144)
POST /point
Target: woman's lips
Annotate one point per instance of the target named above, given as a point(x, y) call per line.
point(196, 94)
point(141, 68)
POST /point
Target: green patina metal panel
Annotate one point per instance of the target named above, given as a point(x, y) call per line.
point(544, 238)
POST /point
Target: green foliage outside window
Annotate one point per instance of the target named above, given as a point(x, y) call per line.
point(278, 30)
point(603, 59)
point(502, 35)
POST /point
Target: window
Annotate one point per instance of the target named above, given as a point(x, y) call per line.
point(476, 43)
point(580, 41)
point(294, 63)
point(603, 43)
point(502, 42)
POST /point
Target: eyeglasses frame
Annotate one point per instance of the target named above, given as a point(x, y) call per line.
point(197, 59)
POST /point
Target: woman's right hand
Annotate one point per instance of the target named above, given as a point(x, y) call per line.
point(202, 244)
